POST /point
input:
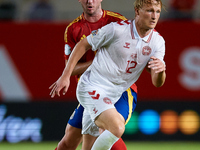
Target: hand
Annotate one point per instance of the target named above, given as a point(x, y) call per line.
point(58, 86)
point(157, 65)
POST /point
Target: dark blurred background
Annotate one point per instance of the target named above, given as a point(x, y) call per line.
point(31, 59)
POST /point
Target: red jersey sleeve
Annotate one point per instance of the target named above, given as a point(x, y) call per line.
point(69, 41)
point(71, 35)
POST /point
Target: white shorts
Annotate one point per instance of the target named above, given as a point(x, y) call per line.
point(95, 100)
point(88, 126)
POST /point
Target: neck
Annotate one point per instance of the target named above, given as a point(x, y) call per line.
point(93, 17)
point(141, 31)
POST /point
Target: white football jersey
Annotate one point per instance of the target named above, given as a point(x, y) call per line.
point(121, 57)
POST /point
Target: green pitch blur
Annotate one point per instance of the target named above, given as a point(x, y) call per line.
point(130, 146)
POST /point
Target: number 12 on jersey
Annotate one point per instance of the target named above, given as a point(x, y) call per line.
point(130, 65)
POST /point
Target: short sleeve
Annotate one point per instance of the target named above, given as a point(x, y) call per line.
point(160, 49)
point(101, 37)
point(69, 42)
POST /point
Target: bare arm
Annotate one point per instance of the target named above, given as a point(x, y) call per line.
point(157, 70)
point(80, 67)
point(64, 80)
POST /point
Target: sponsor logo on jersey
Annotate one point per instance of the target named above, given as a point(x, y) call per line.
point(146, 50)
point(107, 100)
point(94, 95)
point(127, 45)
point(95, 110)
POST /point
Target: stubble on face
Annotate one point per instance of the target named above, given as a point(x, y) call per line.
point(91, 8)
point(148, 16)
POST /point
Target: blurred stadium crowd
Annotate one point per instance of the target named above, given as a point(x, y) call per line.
point(61, 10)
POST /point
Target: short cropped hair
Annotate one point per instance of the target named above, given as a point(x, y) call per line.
point(139, 3)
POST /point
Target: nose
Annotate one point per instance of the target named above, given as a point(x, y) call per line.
point(89, 1)
point(153, 15)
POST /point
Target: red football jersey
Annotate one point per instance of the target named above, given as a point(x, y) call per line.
point(80, 28)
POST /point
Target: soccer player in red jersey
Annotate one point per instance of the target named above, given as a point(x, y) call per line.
point(92, 18)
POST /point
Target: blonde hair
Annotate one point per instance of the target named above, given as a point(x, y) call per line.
point(140, 3)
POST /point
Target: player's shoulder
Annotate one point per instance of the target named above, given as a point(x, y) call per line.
point(120, 27)
point(114, 15)
point(157, 34)
point(158, 37)
point(122, 23)
point(75, 21)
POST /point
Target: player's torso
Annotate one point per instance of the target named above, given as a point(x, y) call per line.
point(126, 56)
point(83, 28)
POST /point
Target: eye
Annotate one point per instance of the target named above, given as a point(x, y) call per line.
point(158, 11)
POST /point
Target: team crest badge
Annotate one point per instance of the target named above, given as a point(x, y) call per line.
point(94, 32)
point(146, 50)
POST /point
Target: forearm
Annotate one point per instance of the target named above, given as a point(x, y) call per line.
point(156, 68)
point(158, 79)
point(80, 67)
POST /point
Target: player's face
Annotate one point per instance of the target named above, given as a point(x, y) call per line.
point(149, 15)
point(91, 7)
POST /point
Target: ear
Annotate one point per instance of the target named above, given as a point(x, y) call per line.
point(136, 11)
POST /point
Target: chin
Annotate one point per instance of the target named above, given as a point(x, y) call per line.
point(152, 27)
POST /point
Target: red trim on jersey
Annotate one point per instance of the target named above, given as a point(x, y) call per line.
point(150, 37)
point(157, 32)
point(132, 32)
point(119, 22)
point(127, 22)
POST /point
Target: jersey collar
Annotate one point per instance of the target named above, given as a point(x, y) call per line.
point(135, 34)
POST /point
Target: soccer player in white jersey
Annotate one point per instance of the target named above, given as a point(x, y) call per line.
point(124, 49)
